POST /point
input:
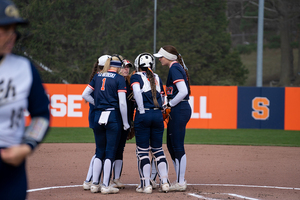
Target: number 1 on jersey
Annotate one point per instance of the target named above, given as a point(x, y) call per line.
point(103, 84)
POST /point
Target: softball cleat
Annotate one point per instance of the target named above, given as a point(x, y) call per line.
point(165, 187)
point(86, 185)
point(178, 187)
point(95, 188)
point(116, 183)
point(109, 190)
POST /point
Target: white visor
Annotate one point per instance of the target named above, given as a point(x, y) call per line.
point(164, 53)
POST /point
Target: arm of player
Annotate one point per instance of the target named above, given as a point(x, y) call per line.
point(15, 155)
point(138, 97)
point(162, 93)
point(86, 95)
point(36, 131)
point(123, 109)
point(38, 107)
point(182, 92)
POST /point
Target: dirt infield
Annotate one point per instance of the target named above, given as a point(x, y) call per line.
point(57, 171)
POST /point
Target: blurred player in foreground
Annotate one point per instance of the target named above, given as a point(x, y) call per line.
point(20, 89)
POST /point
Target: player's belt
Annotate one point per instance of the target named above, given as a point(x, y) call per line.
point(110, 109)
point(151, 108)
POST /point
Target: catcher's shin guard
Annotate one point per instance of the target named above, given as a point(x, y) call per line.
point(143, 165)
point(161, 164)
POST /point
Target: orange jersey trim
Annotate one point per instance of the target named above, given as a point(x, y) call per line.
point(134, 83)
point(179, 80)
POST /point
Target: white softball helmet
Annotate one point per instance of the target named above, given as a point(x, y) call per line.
point(102, 59)
point(144, 60)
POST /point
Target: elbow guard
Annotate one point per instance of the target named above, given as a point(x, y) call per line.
point(36, 131)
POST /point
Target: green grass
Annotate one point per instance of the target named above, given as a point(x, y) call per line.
point(255, 137)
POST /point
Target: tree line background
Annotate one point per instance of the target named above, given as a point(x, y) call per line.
point(66, 37)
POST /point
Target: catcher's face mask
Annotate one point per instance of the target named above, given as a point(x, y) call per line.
point(144, 60)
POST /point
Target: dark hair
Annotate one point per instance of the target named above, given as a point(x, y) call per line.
point(127, 78)
point(171, 49)
point(96, 69)
point(150, 76)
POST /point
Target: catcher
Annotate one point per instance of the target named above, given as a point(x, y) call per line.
point(148, 122)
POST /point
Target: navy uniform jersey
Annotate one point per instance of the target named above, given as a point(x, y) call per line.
point(176, 74)
point(106, 87)
point(20, 89)
point(141, 78)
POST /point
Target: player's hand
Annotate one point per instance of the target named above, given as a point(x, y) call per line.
point(15, 155)
point(131, 133)
point(126, 126)
point(166, 106)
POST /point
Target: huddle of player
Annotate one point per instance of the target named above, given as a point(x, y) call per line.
point(114, 96)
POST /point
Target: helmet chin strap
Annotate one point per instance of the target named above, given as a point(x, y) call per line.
point(150, 70)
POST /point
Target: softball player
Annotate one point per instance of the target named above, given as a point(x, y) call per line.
point(118, 164)
point(110, 110)
point(98, 66)
point(20, 89)
point(148, 124)
point(177, 89)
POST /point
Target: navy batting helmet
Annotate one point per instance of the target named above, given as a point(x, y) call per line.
point(9, 14)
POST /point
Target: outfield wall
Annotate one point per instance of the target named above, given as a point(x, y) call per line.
point(213, 107)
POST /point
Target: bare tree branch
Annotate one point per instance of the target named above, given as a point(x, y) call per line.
point(269, 9)
point(239, 12)
point(253, 17)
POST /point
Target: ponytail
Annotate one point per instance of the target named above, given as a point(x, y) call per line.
point(94, 71)
point(151, 78)
point(181, 62)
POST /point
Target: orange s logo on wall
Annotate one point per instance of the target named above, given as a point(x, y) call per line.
point(260, 107)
